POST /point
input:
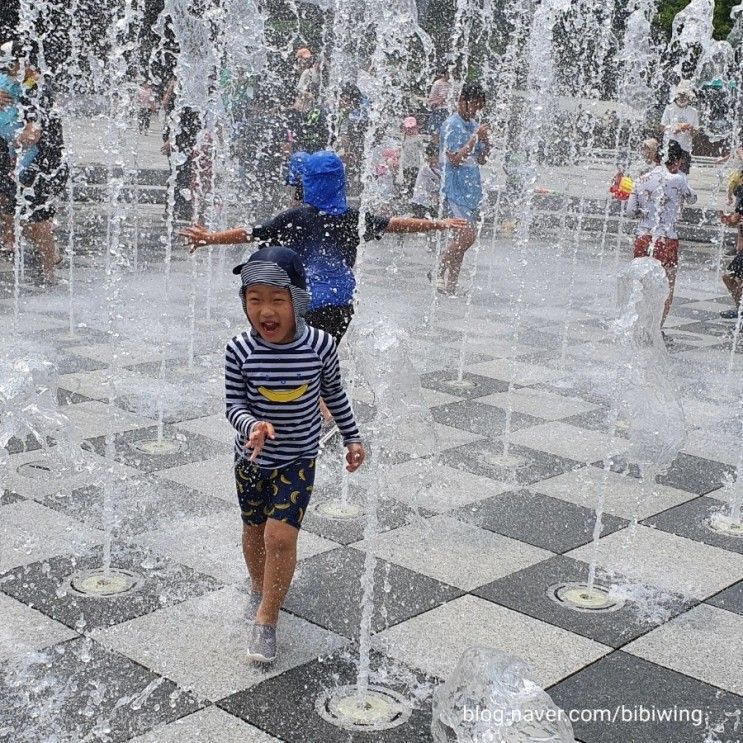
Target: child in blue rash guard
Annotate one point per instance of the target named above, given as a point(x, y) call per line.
point(274, 376)
point(324, 233)
point(11, 121)
point(465, 146)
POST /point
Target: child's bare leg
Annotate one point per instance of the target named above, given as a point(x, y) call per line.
point(671, 276)
point(734, 286)
point(6, 231)
point(41, 235)
point(452, 260)
point(280, 541)
point(254, 552)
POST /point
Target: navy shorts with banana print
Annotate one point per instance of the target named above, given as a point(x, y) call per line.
point(281, 494)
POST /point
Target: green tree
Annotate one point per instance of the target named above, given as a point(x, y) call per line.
point(667, 10)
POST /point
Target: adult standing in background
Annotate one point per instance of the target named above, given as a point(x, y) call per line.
point(680, 121)
point(437, 102)
point(31, 192)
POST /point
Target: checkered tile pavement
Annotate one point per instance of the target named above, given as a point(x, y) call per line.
point(469, 543)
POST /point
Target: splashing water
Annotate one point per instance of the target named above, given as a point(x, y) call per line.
point(491, 695)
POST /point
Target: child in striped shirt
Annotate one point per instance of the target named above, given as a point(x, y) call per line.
point(275, 374)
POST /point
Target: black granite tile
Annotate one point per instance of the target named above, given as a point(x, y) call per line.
point(78, 690)
point(694, 313)
point(719, 329)
point(540, 520)
point(61, 338)
point(299, 688)
point(472, 385)
point(320, 519)
point(191, 448)
point(45, 586)
point(327, 591)
point(577, 388)
point(175, 410)
point(9, 497)
point(527, 591)
point(70, 363)
point(691, 520)
point(532, 465)
point(487, 420)
point(623, 684)
point(687, 472)
point(731, 598)
point(598, 420)
point(65, 397)
point(137, 505)
point(16, 445)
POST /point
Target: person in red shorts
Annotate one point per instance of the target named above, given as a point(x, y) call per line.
point(658, 199)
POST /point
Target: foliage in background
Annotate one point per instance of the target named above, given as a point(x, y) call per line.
point(667, 9)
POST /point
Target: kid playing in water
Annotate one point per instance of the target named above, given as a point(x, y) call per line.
point(274, 376)
point(733, 277)
point(324, 232)
point(465, 145)
point(658, 198)
point(11, 123)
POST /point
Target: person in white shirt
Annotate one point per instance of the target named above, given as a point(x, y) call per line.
point(680, 121)
point(411, 156)
point(658, 198)
point(438, 102)
point(425, 200)
point(309, 80)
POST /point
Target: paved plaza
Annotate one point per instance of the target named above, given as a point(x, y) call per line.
point(468, 546)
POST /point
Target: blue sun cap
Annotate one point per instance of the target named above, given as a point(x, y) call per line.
point(281, 267)
point(324, 182)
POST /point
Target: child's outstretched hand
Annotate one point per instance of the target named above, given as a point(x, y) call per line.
point(261, 431)
point(196, 235)
point(354, 456)
point(729, 219)
point(452, 224)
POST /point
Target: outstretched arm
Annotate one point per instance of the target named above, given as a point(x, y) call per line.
point(197, 236)
point(411, 224)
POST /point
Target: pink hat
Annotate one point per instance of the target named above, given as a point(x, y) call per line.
point(303, 53)
point(410, 123)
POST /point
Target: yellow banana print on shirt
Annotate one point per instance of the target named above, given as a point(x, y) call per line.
point(283, 395)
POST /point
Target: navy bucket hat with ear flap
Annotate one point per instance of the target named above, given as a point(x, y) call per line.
point(281, 267)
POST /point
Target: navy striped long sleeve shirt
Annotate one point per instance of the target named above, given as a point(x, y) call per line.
point(282, 384)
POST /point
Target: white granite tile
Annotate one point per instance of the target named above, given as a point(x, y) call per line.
point(553, 653)
point(23, 629)
point(210, 725)
point(30, 532)
point(176, 641)
point(669, 562)
point(625, 496)
point(704, 643)
point(481, 556)
point(539, 403)
point(569, 441)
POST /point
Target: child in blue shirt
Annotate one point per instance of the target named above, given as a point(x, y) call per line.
point(465, 146)
point(324, 232)
point(274, 376)
point(10, 119)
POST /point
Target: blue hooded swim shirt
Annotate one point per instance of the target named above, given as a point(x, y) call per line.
point(324, 232)
point(324, 183)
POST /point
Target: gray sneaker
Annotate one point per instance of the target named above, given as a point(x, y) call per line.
point(254, 601)
point(262, 644)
